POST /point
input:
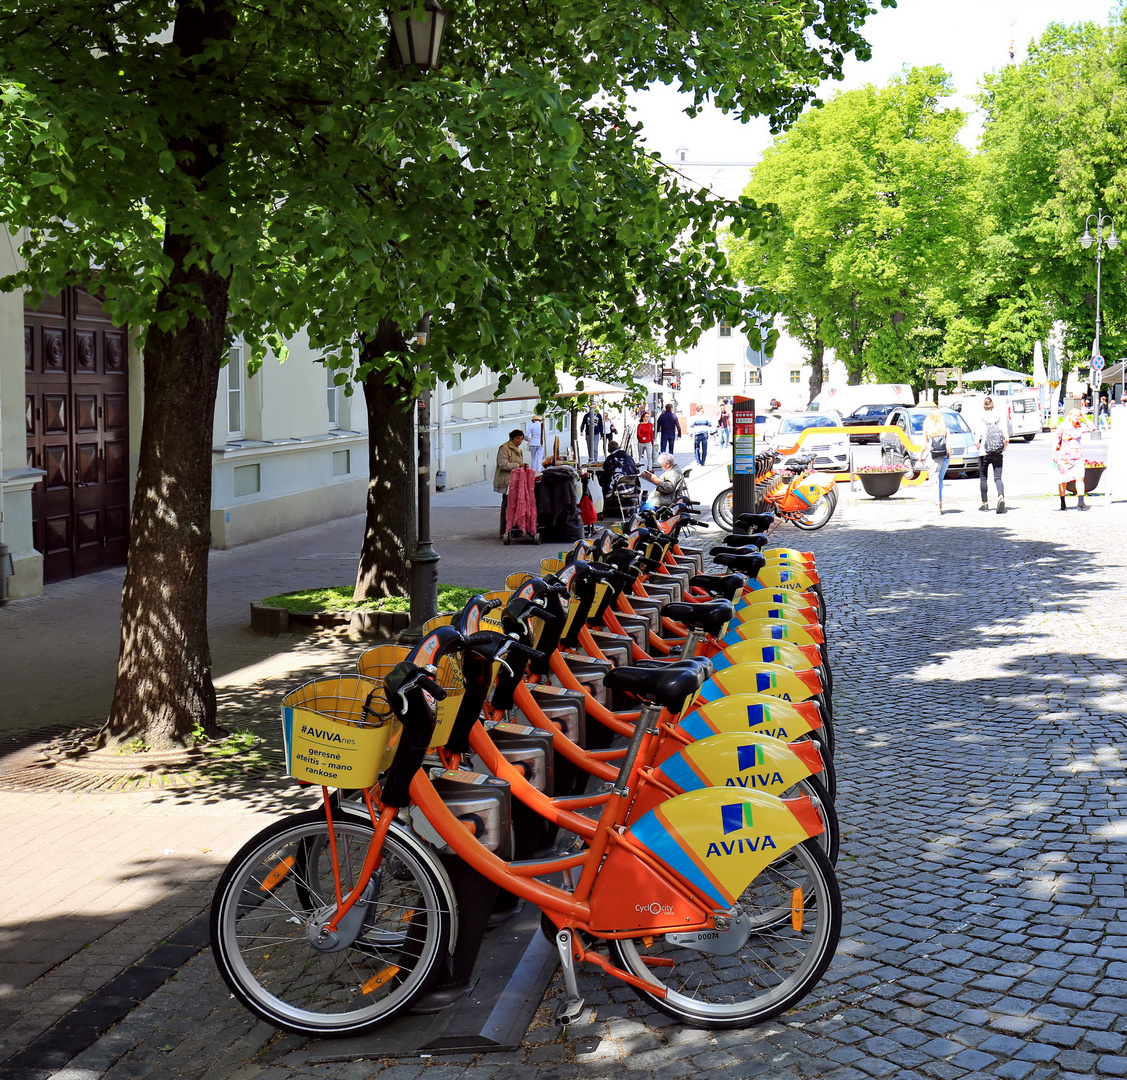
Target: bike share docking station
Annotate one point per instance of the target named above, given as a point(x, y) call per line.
point(502, 961)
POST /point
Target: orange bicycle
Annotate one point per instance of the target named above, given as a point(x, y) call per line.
point(716, 906)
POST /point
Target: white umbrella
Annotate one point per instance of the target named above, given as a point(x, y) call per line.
point(522, 389)
point(1040, 376)
point(993, 374)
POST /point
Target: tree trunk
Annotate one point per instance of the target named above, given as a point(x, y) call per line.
point(817, 368)
point(389, 526)
point(164, 686)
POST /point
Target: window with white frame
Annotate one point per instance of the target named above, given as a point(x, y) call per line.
point(333, 395)
point(754, 376)
point(795, 375)
point(236, 393)
point(724, 377)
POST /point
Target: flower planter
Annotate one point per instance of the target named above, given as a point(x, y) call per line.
point(881, 485)
point(1091, 481)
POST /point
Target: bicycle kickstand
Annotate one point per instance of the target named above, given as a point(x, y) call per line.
point(571, 1008)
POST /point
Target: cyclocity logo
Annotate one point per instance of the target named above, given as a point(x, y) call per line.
point(654, 908)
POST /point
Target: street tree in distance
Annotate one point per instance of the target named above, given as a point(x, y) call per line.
point(876, 196)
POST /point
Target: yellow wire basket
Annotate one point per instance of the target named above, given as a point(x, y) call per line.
point(377, 662)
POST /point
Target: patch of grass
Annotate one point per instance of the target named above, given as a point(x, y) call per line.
point(339, 598)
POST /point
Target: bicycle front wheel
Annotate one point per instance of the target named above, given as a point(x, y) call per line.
point(262, 942)
point(794, 911)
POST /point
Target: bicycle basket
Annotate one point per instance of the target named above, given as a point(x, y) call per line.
point(338, 731)
point(377, 662)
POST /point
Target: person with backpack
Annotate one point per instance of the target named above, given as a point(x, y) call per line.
point(991, 436)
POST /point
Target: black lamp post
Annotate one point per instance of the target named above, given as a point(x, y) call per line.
point(417, 42)
point(424, 559)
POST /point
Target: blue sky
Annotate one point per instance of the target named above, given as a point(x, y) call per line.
point(966, 37)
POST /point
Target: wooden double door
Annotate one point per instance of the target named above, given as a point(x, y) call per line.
point(76, 379)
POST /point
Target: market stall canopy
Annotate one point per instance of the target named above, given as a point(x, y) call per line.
point(650, 386)
point(1113, 374)
point(522, 389)
point(993, 374)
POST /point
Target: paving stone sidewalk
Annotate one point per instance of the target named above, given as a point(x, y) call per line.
point(980, 711)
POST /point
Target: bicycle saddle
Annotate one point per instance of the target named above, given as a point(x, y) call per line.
point(745, 540)
point(742, 562)
point(708, 617)
point(726, 585)
point(668, 685)
point(756, 522)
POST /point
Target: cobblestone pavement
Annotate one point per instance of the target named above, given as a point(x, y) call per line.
point(978, 694)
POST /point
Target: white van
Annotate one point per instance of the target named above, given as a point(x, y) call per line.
point(1022, 405)
point(848, 399)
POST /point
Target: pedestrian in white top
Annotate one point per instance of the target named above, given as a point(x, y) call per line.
point(700, 427)
point(992, 435)
point(536, 443)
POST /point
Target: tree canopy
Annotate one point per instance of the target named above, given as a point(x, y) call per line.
point(216, 167)
point(876, 202)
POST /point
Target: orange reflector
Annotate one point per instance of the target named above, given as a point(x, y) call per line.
point(377, 980)
point(648, 941)
point(407, 916)
point(278, 874)
point(797, 909)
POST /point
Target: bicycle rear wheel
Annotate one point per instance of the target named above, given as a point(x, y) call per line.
point(261, 941)
point(819, 514)
point(794, 911)
point(722, 509)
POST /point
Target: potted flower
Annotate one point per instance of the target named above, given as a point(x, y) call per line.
point(881, 481)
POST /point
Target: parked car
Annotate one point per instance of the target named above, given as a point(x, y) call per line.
point(866, 416)
point(960, 444)
point(831, 447)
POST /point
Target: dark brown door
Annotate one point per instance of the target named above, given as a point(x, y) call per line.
point(77, 417)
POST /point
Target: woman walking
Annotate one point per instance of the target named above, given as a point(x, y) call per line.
point(1068, 456)
point(645, 436)
point(935, 446)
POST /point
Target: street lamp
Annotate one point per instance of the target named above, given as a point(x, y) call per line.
point(418, 41)
point(1112, 242)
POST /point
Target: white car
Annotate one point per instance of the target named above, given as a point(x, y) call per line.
point(830, 446)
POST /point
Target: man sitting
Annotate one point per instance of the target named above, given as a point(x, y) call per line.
point(669, 483)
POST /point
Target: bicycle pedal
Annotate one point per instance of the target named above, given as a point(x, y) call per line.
point(569, 1011)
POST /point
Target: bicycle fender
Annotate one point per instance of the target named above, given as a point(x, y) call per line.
point(732, 760)
point(751, 678)
point(778, 577)
point(719, 839)
point(423, 852)
point(798, 612)
point(773, 630)
point(752, 713)
point(785, 554)
point(749, 597)
point(801, 567)
point(787, 653)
